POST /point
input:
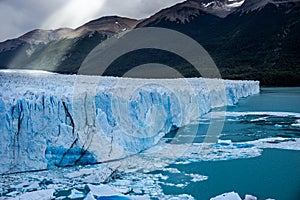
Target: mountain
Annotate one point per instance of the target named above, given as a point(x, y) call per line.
point(60, 50)
point(189, 10)
point(247, 39)
point(258, 39)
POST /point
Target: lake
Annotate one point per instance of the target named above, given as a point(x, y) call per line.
point(273, 174)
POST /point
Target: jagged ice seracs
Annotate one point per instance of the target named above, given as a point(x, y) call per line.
point(49, 120)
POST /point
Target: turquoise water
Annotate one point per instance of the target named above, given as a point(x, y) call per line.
point(253, 126)
point(274, 174)
point(271, 99)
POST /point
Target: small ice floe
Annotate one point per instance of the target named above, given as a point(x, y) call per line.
point(172, 170)
point(182, 162)
point(32, 186)
point(297, 123)
point(227, 196)
point(162, 177)
point(102, 190)
point(182, 185)
point(197, 177)
point(234, 196)
point(182, 197)
point(259, 119)
point(250, 197)
point(224, 142)
point(179, 185)
point(36, 195)
point(106, 192)
point(277, 114)
point(75, 194)
point(91, 174)
point(278, 143)
point(278, 126)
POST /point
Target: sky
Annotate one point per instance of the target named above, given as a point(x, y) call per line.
point(20, 16)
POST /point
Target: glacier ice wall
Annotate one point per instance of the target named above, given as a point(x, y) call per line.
point(51, 120)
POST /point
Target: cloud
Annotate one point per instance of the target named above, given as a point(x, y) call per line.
point(136, 8)
point(19, 16)
point(74, 13)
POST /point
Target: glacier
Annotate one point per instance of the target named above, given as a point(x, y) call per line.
point(49, 120)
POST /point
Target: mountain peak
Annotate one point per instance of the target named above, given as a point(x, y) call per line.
point(44, 36)
point(183, 12)
point(220, 4)
point(108, 25)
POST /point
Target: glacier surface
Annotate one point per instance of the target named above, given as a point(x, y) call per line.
point(49, 120)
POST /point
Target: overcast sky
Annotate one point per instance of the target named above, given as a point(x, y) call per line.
point(20, 16)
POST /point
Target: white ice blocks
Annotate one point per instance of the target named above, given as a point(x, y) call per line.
point(51, 120)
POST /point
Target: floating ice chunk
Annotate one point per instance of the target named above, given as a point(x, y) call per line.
point(278, 126)
point(102, 190)
point(33, 186)
point(297, 123)
point(110, 193)
point(225, 141)
point(181, 185)
point(227, 196)
point(11, 194)
point(142, 197)
point(75, 194)
point(259, 119)
point(89, 196)
point(162, 177)
point(237, 114)
point(36, 195)
point(172, 170)
point(23, 184)
point(198, 177)
point(250, 197)
point(182, 197)
point(183, 162)
point(278, 143)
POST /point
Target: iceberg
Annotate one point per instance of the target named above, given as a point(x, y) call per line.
point(41, 194)
point(227, 196)
point(49, 120)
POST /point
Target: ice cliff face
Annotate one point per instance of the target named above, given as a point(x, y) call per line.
point(51, 120)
